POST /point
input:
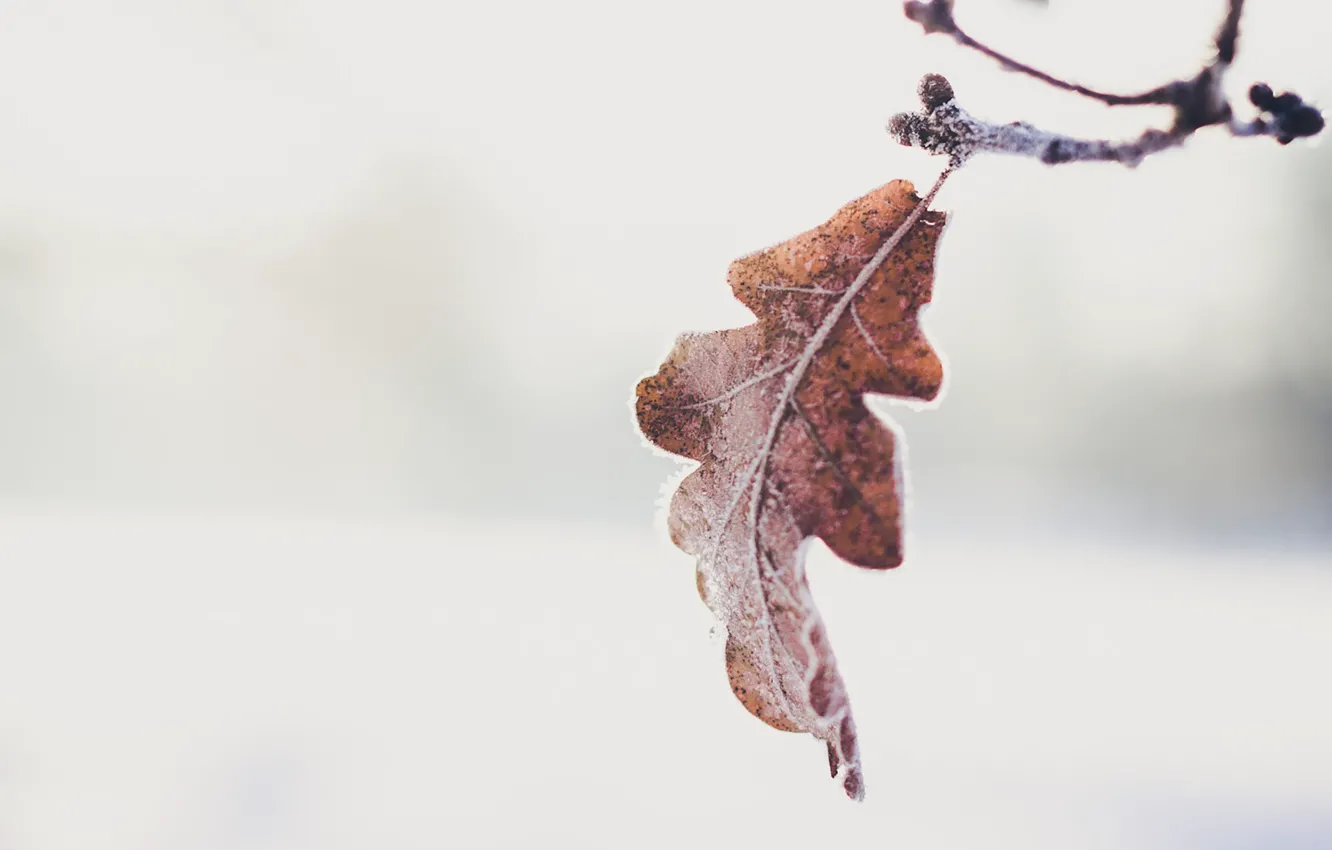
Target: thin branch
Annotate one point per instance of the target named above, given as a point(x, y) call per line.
point(936, 16)
point(945, 127)
point(1155, 96)
point(1227, 39)
point(949, 129)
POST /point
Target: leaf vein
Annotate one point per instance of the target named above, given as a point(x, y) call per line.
point(833, 462)
point(814, 290)
point(739, 388)
point(869, 340)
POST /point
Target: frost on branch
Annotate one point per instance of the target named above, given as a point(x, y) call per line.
point(774, 412)
point(1198, 102)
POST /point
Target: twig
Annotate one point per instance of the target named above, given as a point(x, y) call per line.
point(937, 17)
point(945, 127)
point(1227, 39)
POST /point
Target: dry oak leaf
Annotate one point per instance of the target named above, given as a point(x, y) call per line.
point(774, 412)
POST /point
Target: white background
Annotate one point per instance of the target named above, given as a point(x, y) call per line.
point(323, 522)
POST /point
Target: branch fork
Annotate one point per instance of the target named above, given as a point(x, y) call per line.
point(944, 127)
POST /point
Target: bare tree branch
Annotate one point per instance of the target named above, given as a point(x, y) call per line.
point(936, 16)
point(1227, 40)
point(945, 127)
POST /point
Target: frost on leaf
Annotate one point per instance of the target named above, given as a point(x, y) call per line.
point(774, 412)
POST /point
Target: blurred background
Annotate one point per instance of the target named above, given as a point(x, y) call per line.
point(324, 522)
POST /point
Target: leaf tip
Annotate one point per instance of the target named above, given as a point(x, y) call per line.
point(854, 785)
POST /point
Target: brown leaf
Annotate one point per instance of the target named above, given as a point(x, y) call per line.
point(774, 413)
